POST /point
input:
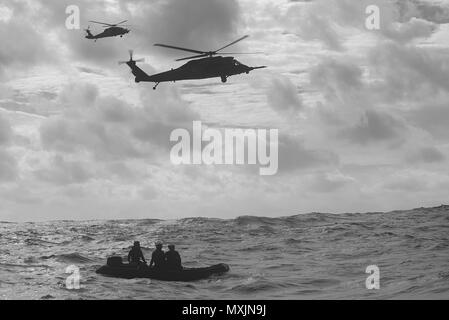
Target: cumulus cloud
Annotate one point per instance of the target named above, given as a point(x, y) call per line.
point(20, 54)
point(44, 38)
point(110, 128)
point(8, 166)
point(62, 171)
point(76, 129)
point(329, 181)
point(102, 140)
point(375, 127)
point(436, 12)
point(201, 24)
point(426, 155)
point(317, 27)
point(401, 86)
point(293, 155)
point(432, 117)
point(336, 79)
point(283, 96)
point(331, 22)
point(409, 72)
point(198, 23)
point(415, 28)
point(5, 131)
point(416, 181)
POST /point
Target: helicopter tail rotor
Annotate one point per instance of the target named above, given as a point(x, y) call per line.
point(131, 60)
point(89, 34)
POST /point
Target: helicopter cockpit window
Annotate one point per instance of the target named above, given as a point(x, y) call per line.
point(236, 63)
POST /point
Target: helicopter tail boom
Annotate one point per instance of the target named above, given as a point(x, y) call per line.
point(136, 71)
point(89, 34)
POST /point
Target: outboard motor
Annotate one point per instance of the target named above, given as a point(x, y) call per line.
point(114, 261)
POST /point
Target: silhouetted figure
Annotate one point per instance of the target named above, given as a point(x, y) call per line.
point(135, 254)
point(158, 256)
point(172, 259)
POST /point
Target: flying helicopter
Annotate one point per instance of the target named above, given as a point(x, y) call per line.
point(203, 65)
point(111, 30)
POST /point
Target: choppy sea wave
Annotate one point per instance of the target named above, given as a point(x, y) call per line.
point(307, 256)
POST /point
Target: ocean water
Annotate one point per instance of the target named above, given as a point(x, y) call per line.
point(307, 256)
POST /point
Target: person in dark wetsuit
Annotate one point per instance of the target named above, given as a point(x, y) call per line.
point(135, 254)
point(172, 259)
point(158, 257)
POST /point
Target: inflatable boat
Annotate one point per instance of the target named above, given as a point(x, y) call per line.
point(116, 268)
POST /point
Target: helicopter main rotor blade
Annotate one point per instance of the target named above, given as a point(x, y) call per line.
point(227, 53)
point(179, 48)
point(232, 43)
point(194, 57)
point(109, 24)
point(103, 23)
point(224, 53)
point(120, 26)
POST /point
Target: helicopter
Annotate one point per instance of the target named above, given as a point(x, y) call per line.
point(203, 65)
point(112, 30)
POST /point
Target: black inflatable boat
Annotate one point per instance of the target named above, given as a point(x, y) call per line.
point(115, 268)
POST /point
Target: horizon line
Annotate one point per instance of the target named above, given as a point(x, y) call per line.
point(215, 218)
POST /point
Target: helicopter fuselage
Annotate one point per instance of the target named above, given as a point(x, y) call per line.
point(109, 32)
point(210, 67)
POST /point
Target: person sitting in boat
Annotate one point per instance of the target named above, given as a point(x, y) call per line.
point(158, 256)
point(172, 258)
point(136, 254)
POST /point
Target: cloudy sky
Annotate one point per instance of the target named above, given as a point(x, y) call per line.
point(362, 115)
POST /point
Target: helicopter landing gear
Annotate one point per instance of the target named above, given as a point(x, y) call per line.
point(155, 87)
point(224, 79)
